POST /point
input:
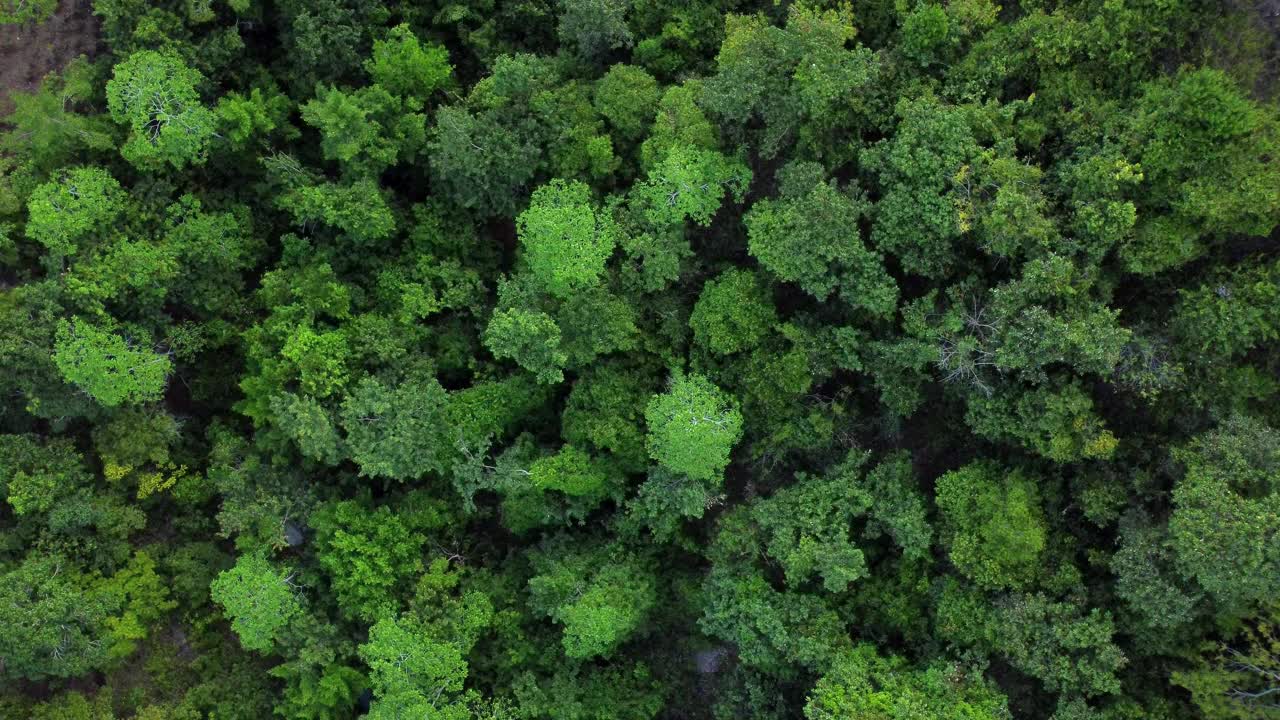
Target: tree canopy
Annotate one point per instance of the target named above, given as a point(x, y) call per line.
point(640, 360)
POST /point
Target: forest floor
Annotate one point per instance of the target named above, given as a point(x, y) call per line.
point(28, 53)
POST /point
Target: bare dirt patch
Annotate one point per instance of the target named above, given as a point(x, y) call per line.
point(29, 52)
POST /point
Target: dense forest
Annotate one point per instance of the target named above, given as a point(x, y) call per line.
point(643, 359)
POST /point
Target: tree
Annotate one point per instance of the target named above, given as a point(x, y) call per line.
point(862, 683)
point(692, 427)
point(605, 411)
point(925, 33)
point(1146, 578)
point(772, 630)
point(144, 595)
point(665, 499)
point(994, 529)
point(107, 366)
point(478, 163)
point(33, 12)
point(594, 323)
point(304, 419)
point(53, 622)
point(1056, 421)
point(397, 432)
point(1201, 144)
point(733, 313)
point(809, 237)
point(690, 183)
point(260, 599)
point(1227, 318)
point(154, 94)
point(806, 528)
point(358, 209)
point(325, 40)
point(594, 27)
point(403, 66)
point(566, 241)
point(570, 471)
point(627, 96)
point(365, 131)
point(39, 474)
point(679, 122)
point(258, 116)
point(368, 553)
point(601, 595)
point(589, 691)
point(1238, 678)
point(898, 508)
point(49, 127)
point(413, 674)
point(81, 203)
point(531, 338)
point(1227, 511)
point(916, 218)
point(215, 251)
point(1065, 645)
point(798, 83)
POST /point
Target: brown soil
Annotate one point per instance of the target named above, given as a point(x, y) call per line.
point(28, 53)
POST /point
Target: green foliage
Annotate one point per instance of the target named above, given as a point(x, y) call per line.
point(861, 683)
point(994, 529)
point(477, 162)
point(806, 238)
point(256, 116)
point(593, 27)
point(397, 432)
point(1069, 649)
point(605, 409)
point(368, 554)
point(1228, 318)
point(693, 427)
point(1058, 423)
point(260, 600)
point(358, 209)
point(772, 630)
point(33, 12)
point(306, 421)
point(733, 313)
point(691, 183)
point(679, 122)
point(154, 94)
point(412, 673)
point(37, 475)
point(601, 595)
point(570, 471)
point(898, 508)
point(1226, 511)
point(627, 97)
point(1202, 144)
point(108, 366)
point(1145, 578)
point(365, 131)
point(924, 32)
point(566, 241)
point(800, 81)
point(63, 212)
point(806, 528)
point(918, 169)
point(48, 127)
point(634, 359)
point(1235, 679)
point(403, 66)
point(53, 622)
point(531, 338)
